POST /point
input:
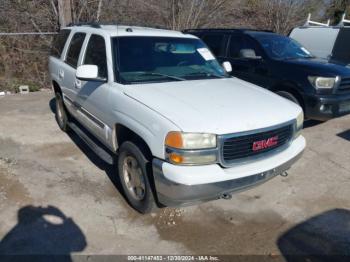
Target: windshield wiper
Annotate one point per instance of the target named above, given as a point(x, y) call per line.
point(204, 74)
point(164, 75)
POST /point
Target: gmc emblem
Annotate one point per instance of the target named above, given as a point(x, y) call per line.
point(263, 144)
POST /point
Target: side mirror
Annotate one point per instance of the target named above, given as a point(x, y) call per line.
point(87, 73)
point(248, 54)
point(227, 66)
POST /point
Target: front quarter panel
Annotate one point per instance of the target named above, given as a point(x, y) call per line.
point(145, 122)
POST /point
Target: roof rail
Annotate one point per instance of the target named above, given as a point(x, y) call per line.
point(309, 22)
point(343, 21)
point(92, 24)
point(226, 29)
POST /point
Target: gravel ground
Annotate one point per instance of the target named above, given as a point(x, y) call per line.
point(56, 196)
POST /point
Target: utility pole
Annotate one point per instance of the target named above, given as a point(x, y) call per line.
point(64, 12)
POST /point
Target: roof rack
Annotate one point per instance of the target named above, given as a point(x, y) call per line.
point(309, 22)
point(343, 21)
point(92, 24)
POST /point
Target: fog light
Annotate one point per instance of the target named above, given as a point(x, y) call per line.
point(326, 108)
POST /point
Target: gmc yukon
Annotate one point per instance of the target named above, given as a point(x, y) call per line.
point(181, 129)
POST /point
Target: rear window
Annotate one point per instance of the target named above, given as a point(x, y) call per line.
point(74, 49)
point(59, 42)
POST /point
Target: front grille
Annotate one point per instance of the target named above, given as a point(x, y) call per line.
point(344, 86)
point(240, 147)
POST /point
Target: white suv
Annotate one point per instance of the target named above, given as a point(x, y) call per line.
point(183, 131)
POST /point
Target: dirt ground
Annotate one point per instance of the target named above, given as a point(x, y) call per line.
point(56, 196)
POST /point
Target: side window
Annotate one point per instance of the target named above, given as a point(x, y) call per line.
point(74, 49)
point(236, 44)
point(239, 42)
point(251, 44)
point(59, 42)
point(214, 42)
point(96, 54)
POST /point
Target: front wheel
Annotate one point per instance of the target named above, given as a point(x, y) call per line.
point(288, 96)
point(133, 176)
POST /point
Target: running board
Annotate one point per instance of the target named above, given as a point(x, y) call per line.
point(98, 149)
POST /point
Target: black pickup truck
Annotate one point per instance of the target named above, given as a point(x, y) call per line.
point(282, 65)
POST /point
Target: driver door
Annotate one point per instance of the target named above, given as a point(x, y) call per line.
point(253, 70)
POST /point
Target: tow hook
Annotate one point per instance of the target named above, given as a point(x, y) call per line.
point(226, 196)
point(284, 174)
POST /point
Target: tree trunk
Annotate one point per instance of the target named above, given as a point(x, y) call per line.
point(64, 12)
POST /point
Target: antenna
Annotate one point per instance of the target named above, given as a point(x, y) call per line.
point(309, 22)
point(343, 21)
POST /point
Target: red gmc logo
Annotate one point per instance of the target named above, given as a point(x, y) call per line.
point(259, 145)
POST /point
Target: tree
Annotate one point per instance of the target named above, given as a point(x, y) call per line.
point(278, 15)
point(64, 12)
point(336, 9)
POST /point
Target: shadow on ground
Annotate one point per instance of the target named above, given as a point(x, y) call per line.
point(110, 170)
point(311, 123)
point(42, 234)
point(345, 135)
point(325, 237)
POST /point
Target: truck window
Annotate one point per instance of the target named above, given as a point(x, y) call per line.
point(74, 49)
point(214, 42)
point(96, 54)
point(341, 47)
point(59, 42)
point(236, 44)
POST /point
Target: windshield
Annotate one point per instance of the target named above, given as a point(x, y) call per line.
point(163, 59)
point(282, 47)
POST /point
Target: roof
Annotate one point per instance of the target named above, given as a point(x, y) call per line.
point(230, 30)
point(114, 30)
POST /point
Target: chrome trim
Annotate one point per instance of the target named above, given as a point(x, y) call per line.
point(94, 119)
point(174, 194)
point(246, 160)
point(85, 113)
point(197, 152)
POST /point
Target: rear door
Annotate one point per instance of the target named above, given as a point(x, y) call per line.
point(68, 69)
point(55, 60)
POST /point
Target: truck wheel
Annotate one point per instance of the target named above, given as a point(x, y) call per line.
point(288, 96)
point(132, 171)
point(61, 113)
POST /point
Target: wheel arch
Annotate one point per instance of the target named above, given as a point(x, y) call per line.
point(290, 88)
point(56, 87)
point(122, 133)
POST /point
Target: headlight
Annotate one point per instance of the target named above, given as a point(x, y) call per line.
point(190, 148)
point(181, 140)
point(300, 123)
point(323, 82)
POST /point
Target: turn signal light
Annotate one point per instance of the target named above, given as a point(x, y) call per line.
point(176, 158)
point(174, 139)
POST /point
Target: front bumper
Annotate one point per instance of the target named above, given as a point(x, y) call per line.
point(181, 186)
point(326, 107)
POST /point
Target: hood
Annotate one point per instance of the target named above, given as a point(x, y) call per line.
point(219, 106)
point(319, 66)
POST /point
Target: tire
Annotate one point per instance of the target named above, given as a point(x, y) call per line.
point(134, 178)
point(289, 96)
point(61, 113)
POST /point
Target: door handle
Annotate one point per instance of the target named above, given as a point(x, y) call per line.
point(77, 84)
point(61, 74)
